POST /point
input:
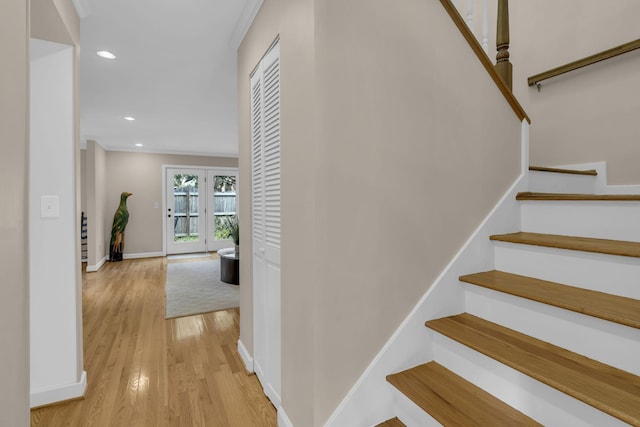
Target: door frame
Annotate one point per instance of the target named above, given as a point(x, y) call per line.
point(206, 169)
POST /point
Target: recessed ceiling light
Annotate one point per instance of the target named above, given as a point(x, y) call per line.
point(130, 118)
point(139, 144)
point(105, 54)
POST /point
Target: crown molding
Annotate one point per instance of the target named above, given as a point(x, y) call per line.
point(243, 23)
point(82, 8)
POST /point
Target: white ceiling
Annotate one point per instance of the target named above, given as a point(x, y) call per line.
point(175, 72)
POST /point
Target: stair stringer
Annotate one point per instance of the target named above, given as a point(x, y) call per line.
point(372, 399)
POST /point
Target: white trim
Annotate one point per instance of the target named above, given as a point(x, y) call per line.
point(164, 209)
point(272, 394)
point(595, 219)
point(623, 189)
point(586, 270)
point(94, 268)
point(50, 395)
point(245, 356)
point(221, 168)
point(142, 255)
point(524, 146)
point(600, 179)
point(410, 344)
point(199, 245)
point(244, 22)
point(601, 185)
point(283, 419)
point(96, 139)
point(410, 413)
point(170, 152)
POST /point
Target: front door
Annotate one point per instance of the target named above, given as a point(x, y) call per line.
point(186, 218)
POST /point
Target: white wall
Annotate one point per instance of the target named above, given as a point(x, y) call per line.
point(54, 322)
point(96, 191)
point(83, 181)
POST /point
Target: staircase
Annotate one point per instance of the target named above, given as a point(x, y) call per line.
point(551, 336)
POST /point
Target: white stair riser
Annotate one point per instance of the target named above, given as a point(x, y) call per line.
point(551, 182)
point(610, 343)
point(602, 220)
point(531, 397)
point(411, 414)
point(615, 275)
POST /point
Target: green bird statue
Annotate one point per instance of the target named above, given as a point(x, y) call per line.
point(120, 220)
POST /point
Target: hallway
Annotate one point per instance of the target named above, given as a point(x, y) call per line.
point(144, 370)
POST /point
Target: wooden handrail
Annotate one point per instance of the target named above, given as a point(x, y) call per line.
point(589, 60)
point(484, 59)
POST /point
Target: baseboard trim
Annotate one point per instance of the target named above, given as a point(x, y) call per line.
point(246, 357)
point(283, 419)
point(94, 268)
point(62, 393)
point(142, 255)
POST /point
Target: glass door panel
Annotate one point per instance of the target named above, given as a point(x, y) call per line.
point(223, 202)
point(185, 211)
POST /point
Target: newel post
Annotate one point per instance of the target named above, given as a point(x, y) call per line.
point(503, 66)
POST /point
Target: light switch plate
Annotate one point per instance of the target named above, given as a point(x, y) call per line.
point(49, 207)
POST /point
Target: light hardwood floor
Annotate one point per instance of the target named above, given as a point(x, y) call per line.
point(143, 370)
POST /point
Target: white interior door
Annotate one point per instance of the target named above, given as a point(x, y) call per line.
point(186, 211)
point(265, 183)
point(222, 187)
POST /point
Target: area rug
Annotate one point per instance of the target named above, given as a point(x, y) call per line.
point(195, 288)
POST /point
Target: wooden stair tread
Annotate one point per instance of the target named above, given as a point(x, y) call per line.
point(528, 195)
point(452, 400)
point(604, 387)
point(590, 172)
point(393, 422)
point(586, 244)
point(622, 310)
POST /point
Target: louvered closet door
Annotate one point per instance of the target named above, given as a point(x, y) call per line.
point(265, 153)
